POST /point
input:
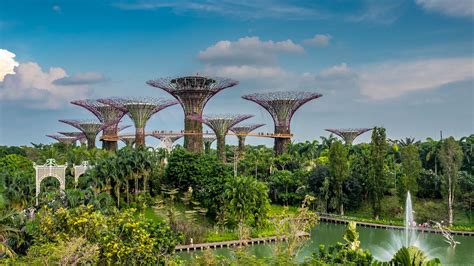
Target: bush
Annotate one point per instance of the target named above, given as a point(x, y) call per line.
point(203, 173)
point(246, 201)
point(122, 237)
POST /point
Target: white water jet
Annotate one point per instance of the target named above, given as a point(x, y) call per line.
point(410, 231)
point(408, 237)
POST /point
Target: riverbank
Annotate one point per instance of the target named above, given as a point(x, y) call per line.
point(335, 219)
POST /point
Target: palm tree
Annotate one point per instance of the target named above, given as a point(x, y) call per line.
point(5, 232)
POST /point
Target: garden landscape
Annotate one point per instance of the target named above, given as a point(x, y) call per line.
point(238, 158)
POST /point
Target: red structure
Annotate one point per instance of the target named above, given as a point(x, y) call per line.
point(242, 131)
point(78, 135)
point(89, 128)
point(348, 134)
point(193, 92)
point(106, 114)
point(282, 106)
point(63, 139)
point(221, 124)
point(140, 111)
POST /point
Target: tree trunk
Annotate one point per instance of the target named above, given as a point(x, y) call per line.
point(450, 201)
point(281, 144)
point(241, 145)
point(221, 147)
point(194, 142)
point(90, 143)
point(140, 137)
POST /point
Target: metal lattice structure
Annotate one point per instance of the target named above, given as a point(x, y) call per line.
point(90, 128)
point(80, 170)
point(50, 168)
point(282, 105)
point(140, 111)
point(63, 139)
point(208, 140)
point(128, 140)
point(193, 92)
point(106, 114)
point(241, 131)
point(221, 124)
point(166, 141)
point(77, 134)
point(348, 134)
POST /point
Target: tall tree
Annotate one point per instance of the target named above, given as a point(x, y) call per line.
point(377, 172)
point(450, 157)
point(338, 170)
point(411, 169)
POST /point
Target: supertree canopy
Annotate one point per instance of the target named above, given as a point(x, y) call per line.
point(242, 131)
point(193, 92)
point(282, 106)
point(208, 140)
point(90, 128)
point(106, 114)
point(76, 134)
point(348, 134)
point(220, 124)
point(140, 111)
point(128, 140)
point(63, 139)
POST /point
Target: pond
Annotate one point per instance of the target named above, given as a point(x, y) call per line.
point(376, 240)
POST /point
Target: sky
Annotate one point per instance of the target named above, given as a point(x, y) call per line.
point(406, 65)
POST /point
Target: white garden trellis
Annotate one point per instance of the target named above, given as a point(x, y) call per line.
point(80, 169)
point(50, 168)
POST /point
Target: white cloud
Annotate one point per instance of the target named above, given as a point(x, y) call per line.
point(32, 86)
point(247, 72)
point(319, 40)
point(7, 63)
point(394, 79)
point(57, 8)
point(247, 51)
point(243, 9)
point(455, 8)
point(81, 79)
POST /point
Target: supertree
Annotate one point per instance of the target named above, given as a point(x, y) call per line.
point(193, 92)
point(63, 139)
point(282, 105)
point(220, 124)
point(208, 140)
point(167, 142)
point(106, 114)
point(241, 131)
point(90, 128)
point(348, 134)
point(76, 134)
point(128, 140)
point(140, 111)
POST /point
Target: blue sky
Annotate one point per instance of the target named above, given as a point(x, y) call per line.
point(405, 65)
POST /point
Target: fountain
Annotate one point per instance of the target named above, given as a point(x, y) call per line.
point(410, 231)
point(408, 238)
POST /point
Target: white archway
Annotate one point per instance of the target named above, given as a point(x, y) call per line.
point(50, 168)
point(81, 169)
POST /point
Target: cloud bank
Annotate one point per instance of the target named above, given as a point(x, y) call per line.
point(252, 59)
point(454, 8)
point(28, 84)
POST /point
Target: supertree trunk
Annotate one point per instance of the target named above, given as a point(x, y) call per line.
point(194, 142)
point(91, 143)
point(221, 148)
point(241, 144)
point(281, 144)
point(107, 144)
point(140, 136)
